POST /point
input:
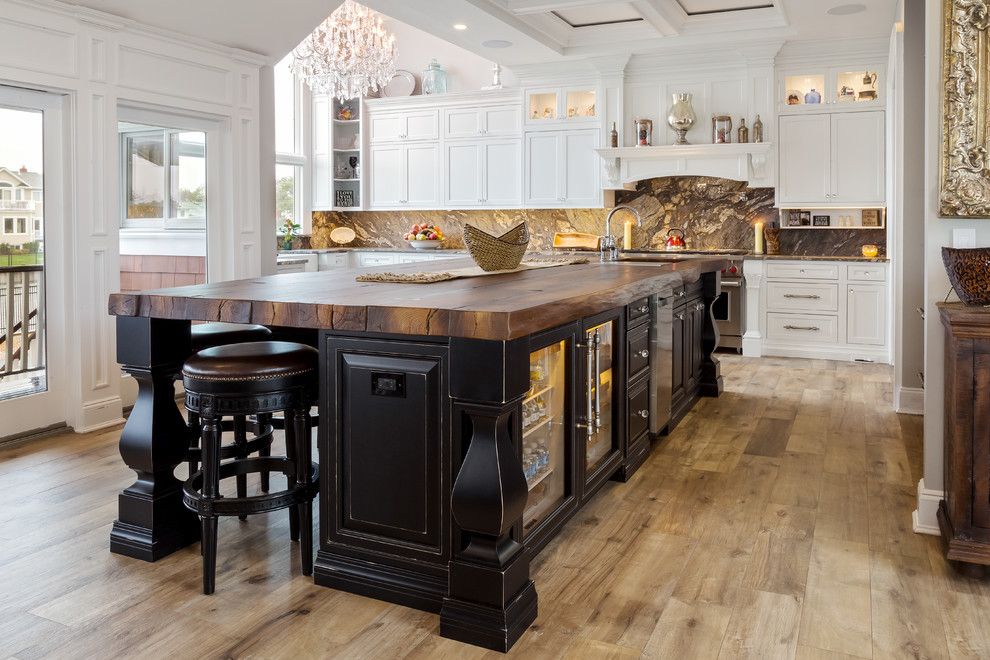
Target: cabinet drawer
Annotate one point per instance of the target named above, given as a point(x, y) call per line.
point(638, 410)
point(637, 310)
point(801, 271)
point(866, 272)
point(816, 328)
point(332, 260)
point(802, 297)
point(637, 350)
point(375, 259)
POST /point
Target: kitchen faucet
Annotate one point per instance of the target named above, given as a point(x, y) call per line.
point(609, 251)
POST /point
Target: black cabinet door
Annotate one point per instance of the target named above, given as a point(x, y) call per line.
point(677, 360)
point(697, 353)
point(601, 405)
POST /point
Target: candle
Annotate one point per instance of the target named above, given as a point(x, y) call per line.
point(627, 234)
point(758, 230)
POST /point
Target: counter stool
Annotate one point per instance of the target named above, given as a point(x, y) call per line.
point(208, 335)
point(242, 379)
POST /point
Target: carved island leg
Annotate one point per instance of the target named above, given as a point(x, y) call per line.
point(151, 520)
point(711, 370)
point(490, 601)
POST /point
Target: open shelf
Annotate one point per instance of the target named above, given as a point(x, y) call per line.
point(529, 430)
point(347, 121)
point(538, 477)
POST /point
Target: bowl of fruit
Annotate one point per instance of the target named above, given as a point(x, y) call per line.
point(425, 237)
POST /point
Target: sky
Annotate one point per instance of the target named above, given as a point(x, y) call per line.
point(20, 139)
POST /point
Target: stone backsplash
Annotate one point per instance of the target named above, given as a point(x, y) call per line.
point(714, 214)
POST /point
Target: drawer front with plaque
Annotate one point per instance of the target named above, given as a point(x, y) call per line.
point(865, 273)
point(803, 297)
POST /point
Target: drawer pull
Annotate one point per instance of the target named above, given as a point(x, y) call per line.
point(810, 328)
point(699, 307)
point(643, 309)
point(644, 413)
point(679, 317)
point(644, 353)
point(808, 296)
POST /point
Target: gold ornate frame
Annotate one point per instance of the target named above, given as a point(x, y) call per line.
point(964, 186)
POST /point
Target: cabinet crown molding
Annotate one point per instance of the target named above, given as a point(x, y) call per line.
point(473, 97)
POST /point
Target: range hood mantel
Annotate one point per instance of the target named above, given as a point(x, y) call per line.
point(752, 163)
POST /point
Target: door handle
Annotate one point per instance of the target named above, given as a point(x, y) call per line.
point(589, 402)
point(598, 388)
point(730, 285)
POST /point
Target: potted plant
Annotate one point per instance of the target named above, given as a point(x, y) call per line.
point(288, 230)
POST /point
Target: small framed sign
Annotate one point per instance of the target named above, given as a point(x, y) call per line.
point(821, 221)
point(871, 217)
point(344, 198)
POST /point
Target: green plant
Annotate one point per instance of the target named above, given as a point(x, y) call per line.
point(288, 230)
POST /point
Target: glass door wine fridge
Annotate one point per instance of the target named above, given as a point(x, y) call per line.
point(599, 352)
point(547, 436)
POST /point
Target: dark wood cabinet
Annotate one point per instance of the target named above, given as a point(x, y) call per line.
point(964, 512)
point(688, 357)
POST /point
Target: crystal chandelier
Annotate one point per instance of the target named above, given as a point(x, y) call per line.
point(348, 55)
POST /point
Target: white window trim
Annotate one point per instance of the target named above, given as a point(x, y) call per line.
point(301, 158)
point(166, 223)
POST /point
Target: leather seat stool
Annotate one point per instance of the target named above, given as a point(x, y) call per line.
point(243, 379)
point(208, 335)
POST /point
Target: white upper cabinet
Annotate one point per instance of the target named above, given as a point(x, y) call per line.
point(490, 121)
point(562, 169)
point(387, 175)
point(422, 176)
point(405, 176)
point(322, 156)
point(836, 88)
point(404, 126)
point(561, 105)
point(463, 185)
point(832, 159)
point(502, 172)
point(858, 158)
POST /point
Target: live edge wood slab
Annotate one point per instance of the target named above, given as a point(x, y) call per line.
point(495, 307)
point(429, 511)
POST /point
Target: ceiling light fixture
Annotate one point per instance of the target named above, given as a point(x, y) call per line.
point(496, 43)
point(846, 10)
point(348, 55)
point(460, 26)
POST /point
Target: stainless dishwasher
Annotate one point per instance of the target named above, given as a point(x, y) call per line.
point(661, 359)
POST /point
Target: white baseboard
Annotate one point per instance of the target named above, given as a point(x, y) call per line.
point(752, 344)
point(819, 352)
point(925, 517)
point(100, 414)
point(910, 400)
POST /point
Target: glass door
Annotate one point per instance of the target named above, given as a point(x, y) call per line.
point(544, 434)
point(30, 319)
point(602, 451)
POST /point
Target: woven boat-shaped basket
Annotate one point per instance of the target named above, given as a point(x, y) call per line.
point(969, 273)
point(503, 252)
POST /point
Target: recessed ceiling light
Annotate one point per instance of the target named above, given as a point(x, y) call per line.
point(496, 43)
point(460, 26)
point(845, 10)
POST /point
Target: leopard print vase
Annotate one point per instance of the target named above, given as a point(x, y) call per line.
point(969, 273)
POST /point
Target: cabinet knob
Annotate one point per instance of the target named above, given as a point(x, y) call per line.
point(644, 413)
point(679, 317)
point(644, 353)
point(699, 306)
point(643, 309)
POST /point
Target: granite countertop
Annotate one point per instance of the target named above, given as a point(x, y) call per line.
point(797, 257)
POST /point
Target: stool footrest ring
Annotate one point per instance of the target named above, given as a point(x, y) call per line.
point(193, 498)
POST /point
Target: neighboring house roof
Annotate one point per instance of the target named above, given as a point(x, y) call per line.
point(27, 179)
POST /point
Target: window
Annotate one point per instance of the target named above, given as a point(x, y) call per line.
point(291, 163)
point(8, 225)
point(22, 225)
point(37, 225)
point(164, 175)
point(38, 195)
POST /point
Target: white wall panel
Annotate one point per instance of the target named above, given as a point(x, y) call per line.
point(37, 48)
point(162, 74)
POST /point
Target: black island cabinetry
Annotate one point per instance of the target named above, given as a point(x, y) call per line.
point(460, 428)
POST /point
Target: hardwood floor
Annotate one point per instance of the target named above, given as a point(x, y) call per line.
point(775, 522)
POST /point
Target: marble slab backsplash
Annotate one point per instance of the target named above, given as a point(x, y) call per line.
point(714, 214)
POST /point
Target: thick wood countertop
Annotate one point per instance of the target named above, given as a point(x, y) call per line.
point(498, 307)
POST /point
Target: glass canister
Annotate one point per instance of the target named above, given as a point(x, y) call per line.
point(644, 132)
point(434, 78)
point(721, 129)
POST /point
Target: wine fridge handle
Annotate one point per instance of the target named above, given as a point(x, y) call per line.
point(598, 388)
point(590, 407)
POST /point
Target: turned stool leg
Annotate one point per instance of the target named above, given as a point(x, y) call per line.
point(264, 421)
point(240, 441)
point(291, 454)
point(303, 462)
point(192, 423)
point(211, 490)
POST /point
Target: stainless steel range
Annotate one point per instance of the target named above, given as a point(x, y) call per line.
point(729, 309)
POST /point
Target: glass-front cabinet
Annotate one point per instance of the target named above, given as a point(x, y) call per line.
point(853, 86)
point(561, 105)
point(548, 435)
point(598, 427)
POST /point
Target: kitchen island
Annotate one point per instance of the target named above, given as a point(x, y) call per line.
point(436, 489)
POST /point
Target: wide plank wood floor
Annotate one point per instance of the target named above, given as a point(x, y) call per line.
point(774, 523)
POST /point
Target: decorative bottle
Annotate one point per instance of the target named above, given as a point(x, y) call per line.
point(681, 117)
point(758, 130)
point(812, 97)
point(614, 136)
point(434, 79)
point(742, 135)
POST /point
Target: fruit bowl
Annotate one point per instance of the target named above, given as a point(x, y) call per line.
point(426, 245)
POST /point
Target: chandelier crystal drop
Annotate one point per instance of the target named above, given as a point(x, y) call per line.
point(349, 55)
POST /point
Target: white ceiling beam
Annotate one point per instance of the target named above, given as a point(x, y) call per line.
point(523, 7)
point(665, 16)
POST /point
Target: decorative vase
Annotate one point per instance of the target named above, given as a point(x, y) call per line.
point(681, 117)
point(772, 236)
point(434, 79)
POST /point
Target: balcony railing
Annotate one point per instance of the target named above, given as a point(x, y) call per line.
point(22, 322)
point(16, 204)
